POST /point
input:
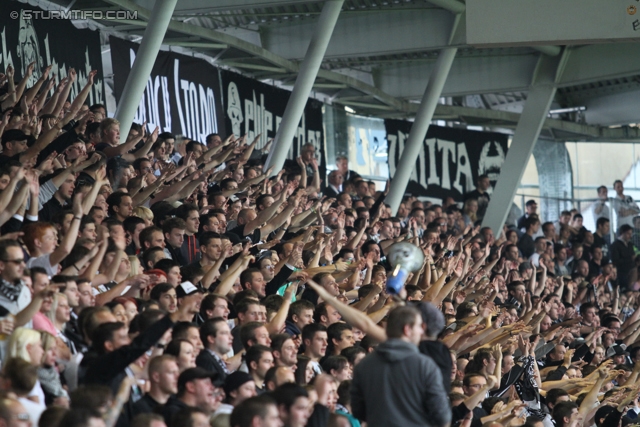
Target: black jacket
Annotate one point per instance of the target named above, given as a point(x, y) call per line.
point(109, 368)
point(205, 360)
point(329, 192)
point(145, 405)
point(176, 254)
point(440, 354)
point(397, 386)
point(526, 245)
point(622, 257)
point(278, 280)
point(173, 406)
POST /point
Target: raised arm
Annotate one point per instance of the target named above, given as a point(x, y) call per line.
point(350, 315)
point(227, 282)
point(265, 215)
point(69, 239)
point(146, 147)
point(281, 218)
point(214, 270)
point(45, 138)
point(16, 202)
point(23, 83)
point(92, 269)
point(277, 323)
point(31, 93)
point(7, 194)
point(23, 317)
point(50, 105)
point(11, 90)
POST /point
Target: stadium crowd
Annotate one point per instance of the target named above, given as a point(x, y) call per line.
point(169, 282)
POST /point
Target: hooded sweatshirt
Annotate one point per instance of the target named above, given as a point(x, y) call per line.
point(397, 386)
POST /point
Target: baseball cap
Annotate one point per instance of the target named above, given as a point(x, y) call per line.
point(14, 135)
point(235, 380)
point(197, 374)
point(617, 350)
point(187, 288)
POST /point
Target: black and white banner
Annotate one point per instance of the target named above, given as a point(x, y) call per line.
point(450, 160)
point(182, 94)
point(28, 34)
point(253, 107)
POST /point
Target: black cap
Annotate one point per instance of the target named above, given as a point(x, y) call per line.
point(235, 380)
point(617, 350)
point(197, 374)
point(14, 135)
point(187, 288)
point(233, 238)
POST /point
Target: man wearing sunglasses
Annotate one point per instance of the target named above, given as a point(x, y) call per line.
point(15, 412)
point(14, 294)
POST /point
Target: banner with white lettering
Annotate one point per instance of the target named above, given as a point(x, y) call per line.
point(29, 34)
point(450, 159)
point(253, 107)
point(182, 94)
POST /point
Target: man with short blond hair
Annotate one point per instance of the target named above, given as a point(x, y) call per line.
point(163, 380)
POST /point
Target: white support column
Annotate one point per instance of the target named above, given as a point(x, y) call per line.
point(146, 57)
point(424, 114)
point(535, 112)
point(304, 83)
point(420, 127)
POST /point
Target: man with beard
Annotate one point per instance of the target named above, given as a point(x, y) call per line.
point(165, 295)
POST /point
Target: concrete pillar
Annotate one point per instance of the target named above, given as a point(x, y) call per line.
point(527, 131)
point(420, 127)
point(146, 57)
point(304, 83)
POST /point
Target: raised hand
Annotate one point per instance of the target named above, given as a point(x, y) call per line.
point(91, 77)
point(30, 67)
point(46, 71)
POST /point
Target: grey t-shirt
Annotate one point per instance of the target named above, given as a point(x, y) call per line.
point(44, 262)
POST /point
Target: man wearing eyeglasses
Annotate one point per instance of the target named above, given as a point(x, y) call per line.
point(14, 294)
point(18, 416)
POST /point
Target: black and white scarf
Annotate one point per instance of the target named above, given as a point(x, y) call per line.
point(11, 291)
